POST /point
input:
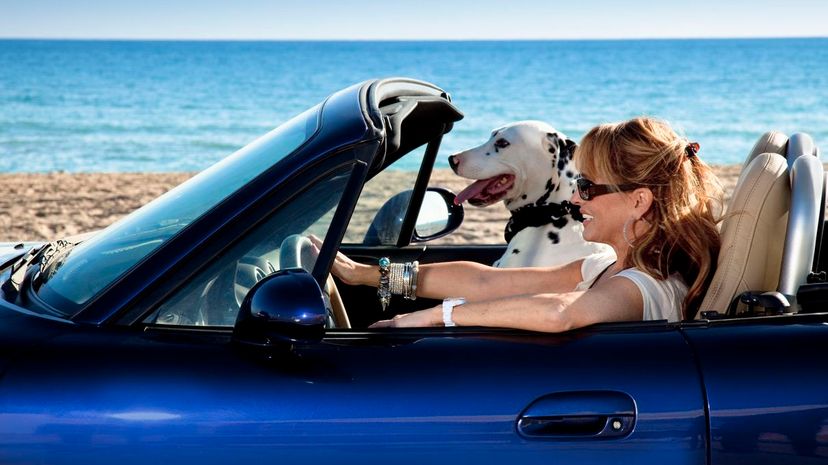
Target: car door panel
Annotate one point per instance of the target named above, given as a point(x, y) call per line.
point(401, 397)
point(766, 388)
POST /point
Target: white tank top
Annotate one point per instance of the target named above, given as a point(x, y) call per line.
point(662, 297)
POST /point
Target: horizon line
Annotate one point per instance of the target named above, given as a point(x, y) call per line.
point(560, 39)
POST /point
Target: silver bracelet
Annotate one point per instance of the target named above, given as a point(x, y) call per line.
point(402, 279)
point(397, 285)
point(411, 293)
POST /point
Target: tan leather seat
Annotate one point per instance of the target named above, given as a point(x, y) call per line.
point(754, 225)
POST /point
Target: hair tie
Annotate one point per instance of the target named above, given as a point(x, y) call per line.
point(692, 149)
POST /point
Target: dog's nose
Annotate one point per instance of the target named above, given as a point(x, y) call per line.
point(454, 163)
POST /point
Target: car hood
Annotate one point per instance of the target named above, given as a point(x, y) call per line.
point(11, 251)
point(22, 330)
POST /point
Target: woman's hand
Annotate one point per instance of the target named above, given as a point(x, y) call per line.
point(420, 319)
point(349, 271)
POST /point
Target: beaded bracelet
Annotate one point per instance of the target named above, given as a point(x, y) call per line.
point(383, 289)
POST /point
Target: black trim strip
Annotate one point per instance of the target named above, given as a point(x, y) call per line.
point(420, 186)
point(339, 223)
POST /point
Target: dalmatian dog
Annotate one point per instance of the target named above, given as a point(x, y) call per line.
point(528, 165)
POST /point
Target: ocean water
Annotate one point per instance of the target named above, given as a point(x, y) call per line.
point(116, 106)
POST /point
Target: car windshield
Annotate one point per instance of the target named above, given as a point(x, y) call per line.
point(81, 273)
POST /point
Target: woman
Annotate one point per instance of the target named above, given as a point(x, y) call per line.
point(643, 191)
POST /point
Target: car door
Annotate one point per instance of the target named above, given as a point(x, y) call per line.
point(623, 393)
point(765, 383)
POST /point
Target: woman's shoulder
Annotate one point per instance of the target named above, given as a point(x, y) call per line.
point(663, 298)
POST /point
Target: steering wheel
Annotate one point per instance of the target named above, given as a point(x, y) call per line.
point(296, 251)
point(249, 271)
point(219, 302)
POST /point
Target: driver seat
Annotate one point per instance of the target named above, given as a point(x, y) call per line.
point(753, 227)
point(770, 230)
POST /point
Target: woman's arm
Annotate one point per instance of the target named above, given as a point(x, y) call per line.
point(612, 300)
point(477, 282)
point(467, 279)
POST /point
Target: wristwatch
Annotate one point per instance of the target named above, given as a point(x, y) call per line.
point(448, 308)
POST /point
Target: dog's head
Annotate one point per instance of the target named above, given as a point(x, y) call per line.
point(528, 162)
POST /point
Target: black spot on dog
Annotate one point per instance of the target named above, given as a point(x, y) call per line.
point(554, 141)
point(515, 251)
point(549, 189)
point(487, 154)
point(553, 237)
point(569, 174)
point(559, 222)
point(554, 147)
point(523, 197)
point(567, 152)
point(561, 164)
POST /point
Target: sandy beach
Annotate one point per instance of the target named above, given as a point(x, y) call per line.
point(54, 205)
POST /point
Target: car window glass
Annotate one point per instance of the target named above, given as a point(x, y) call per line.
point(91, 266)
point(383, 203)
point(213, 296)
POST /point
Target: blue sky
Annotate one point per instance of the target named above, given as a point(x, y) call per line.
point(404, 19)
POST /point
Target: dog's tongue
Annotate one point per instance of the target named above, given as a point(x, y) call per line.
point(474, 190)
point(483, 190)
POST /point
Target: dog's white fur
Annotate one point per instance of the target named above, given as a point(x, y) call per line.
point(540, 158)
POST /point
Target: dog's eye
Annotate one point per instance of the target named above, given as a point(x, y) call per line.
point(501, 143)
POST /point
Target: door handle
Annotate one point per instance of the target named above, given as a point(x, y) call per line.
point(579, 414)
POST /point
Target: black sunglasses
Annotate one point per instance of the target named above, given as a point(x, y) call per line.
point(588, 190)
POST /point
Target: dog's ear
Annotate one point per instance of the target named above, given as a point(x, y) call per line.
point(555, 142)
point(570, 147)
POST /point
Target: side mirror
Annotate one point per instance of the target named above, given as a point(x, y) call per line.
point(284, 308)
point(437, 217)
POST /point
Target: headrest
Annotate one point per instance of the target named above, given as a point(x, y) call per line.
point(769, 142)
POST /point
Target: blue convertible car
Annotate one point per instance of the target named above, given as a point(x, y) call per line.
point(203, 328)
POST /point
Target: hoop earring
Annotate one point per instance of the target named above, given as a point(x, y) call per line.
point(627, 223)
point(624, 231)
